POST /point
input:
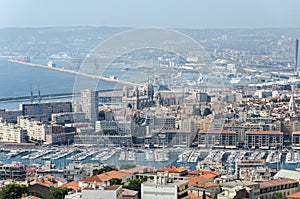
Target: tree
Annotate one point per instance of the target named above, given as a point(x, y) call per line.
point(115, 181)
point(35, 193)
point(207, 111)
point(104, 169)
point(101, 115)
point(127, 166)
point(13, 191)
point(135, 184)
point(277, 195)
point(58, 192)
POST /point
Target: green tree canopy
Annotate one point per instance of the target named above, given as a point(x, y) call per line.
point(35, 193)
point(104, 169)
point(115, 181)
point(277, 195)
point(127, 166)
point(207, 111)
point(13, 191)
point(101, 115)
point(58, 192)
point(135, 184)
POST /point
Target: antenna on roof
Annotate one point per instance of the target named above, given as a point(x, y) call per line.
point(31, 93)
point(39, 93)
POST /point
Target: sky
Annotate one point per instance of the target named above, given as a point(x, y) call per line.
point(151, 13)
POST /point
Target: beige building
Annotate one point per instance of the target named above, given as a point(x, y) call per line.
point(284, 186)
point(251, 188)
point(12, 133)
point(194, 124)
point(35, 129)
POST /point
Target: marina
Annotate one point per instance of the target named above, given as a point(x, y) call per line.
point(274, 157)
point(192, 158)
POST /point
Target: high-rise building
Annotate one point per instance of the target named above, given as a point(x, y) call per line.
point(89, 101)
point(297, 56)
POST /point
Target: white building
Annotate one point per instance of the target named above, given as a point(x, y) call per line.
point(164, 187)
point(12, 133)
point(96, 192)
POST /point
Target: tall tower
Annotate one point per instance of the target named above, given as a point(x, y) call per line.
point(297, 56)
point(89, 100)
point(292, 106)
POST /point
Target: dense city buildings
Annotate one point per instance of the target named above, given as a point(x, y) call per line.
point(225, 128)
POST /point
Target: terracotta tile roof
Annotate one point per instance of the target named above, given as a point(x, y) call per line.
point(265, 132)
point(218, 132)
point(200, 179)
point(276, 182)
point(140, 169)
point(42, 183)
point(48, 176)
point(72, 185)
point(114, 187)
point(104, 177)
point(195, 172)
point(41, 171)
point(296, 133)
point(128, 192)
point(295, 195)
point(172, 169)
point(203, 172)
point(171, 131)
point(216, 173)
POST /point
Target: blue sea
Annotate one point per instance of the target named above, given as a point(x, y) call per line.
point(19, 80)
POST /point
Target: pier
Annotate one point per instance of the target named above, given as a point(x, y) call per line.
point(75, 73)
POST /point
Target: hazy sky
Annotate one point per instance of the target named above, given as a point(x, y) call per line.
point(158, 13)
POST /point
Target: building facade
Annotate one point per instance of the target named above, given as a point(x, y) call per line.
point(45, 108)
point(12, 133)
point(215, 138)
point(164, 187)
point(264, 139)
point(89, 104)
point(284, 186)
point(35, 130)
